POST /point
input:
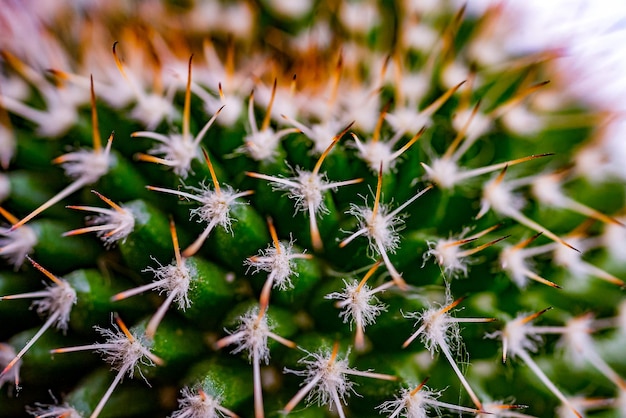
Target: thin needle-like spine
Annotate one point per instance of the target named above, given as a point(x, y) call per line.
point(301, 394)
point(118, 377)
point(258, 394)
point(446, 352)
point(83, 176)
point(51, 320)
point(526, 358)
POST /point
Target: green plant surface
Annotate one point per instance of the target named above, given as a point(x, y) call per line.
point(260, 210)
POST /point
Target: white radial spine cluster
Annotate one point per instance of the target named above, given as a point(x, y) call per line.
point(290, 101)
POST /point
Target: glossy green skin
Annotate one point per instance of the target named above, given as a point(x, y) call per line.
point(133, 398)
point(150, 238)
point(211, 292)
point(248, 233)
point(178, 345)
point(29, 189)
point(230, 377)
point(94, 291)
point(69, 252)
point(222, 287)
point(62, 371)
point(16, 311)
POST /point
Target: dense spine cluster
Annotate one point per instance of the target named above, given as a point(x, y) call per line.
point(365, 179)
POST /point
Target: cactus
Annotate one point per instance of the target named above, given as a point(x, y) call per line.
point(297, 211)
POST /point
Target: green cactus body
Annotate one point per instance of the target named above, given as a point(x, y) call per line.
point(370, 206)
